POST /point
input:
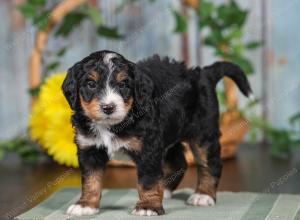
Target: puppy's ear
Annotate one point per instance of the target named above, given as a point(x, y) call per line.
point(69, 87)
point(143, 87)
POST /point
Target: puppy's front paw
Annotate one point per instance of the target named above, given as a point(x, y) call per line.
point(78, 210)
point(147, 210)
point(144, 212)
point(198, 199)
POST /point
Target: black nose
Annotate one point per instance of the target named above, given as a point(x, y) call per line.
point(108, 108)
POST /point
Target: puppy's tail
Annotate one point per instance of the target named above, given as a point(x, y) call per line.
point(218, 70)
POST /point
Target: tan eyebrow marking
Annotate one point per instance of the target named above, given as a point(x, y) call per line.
point(121, 76)
point(93, 75)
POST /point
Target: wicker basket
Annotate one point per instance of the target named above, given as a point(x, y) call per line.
point(233, 126)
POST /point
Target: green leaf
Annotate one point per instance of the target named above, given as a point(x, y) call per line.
point(239, 14)
point(27, 10)
point(206, 9)
point(238, 48)
point(35, 91)
point(244, 63)
point(295, 118)
point(52, 66)
point(253, 44)
point(31, 158)
point(110, 32)
point(215, 38)
point(22, 149)
point(21, 146)
point(71, 21)
point(221, 96)
point(253, 135)
point(95, 16)
point(210, 41)
point(61, 52)
point(41, 21)
point(225, 14)
point(242, 17)
point(235, 33)
point(2, 153)
point(231, 14)
point(181, 23)
point(32, 9)
point(297, 143)
point(37, 2)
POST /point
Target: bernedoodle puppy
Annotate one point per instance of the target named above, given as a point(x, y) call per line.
point(147, 109)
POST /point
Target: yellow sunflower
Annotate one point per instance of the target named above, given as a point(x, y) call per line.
point(50, 123)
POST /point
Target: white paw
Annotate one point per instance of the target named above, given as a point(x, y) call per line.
point(78, 210)
point(167, 194)
point(200, 200)
point(144, 212)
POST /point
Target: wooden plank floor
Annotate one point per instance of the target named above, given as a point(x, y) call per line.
point(23, 186)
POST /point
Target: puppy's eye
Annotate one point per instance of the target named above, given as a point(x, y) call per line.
point(91, 84)
point(122, 84)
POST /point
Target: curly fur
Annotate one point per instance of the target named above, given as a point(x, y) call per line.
point(171, 104)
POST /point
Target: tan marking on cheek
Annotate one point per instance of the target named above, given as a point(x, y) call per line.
point(151, 198)
point(120, 76)
point(91, 189)
point(94, 76)
point(129, 104)
point(92, 108)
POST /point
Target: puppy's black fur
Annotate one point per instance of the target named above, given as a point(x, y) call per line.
point(171, 104)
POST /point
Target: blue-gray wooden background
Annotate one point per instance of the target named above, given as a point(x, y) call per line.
point(148, 28)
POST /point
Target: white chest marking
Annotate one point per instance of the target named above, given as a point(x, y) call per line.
point(104, 138)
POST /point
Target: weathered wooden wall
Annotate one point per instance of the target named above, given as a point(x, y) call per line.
point(148, 29)
point(15, 39)
point(284, 88)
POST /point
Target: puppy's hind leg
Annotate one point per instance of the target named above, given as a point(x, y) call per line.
point(209, 167)
point(174, 168)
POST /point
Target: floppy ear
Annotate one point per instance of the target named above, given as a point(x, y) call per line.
point(69, 87)
point(143, 88)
